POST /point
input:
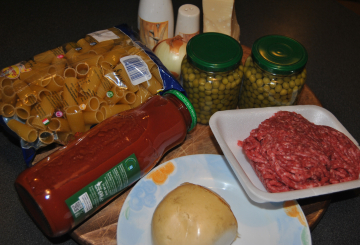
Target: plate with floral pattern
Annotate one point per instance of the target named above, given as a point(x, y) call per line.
point(258, 223)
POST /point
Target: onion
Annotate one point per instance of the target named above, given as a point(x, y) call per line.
point(171, 52)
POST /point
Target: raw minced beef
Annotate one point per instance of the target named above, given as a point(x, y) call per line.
point(288, 152)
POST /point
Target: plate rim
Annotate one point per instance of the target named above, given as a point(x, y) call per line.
point(192, 156)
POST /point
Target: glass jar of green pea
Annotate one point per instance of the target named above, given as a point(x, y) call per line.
point(211, 73)
point(274, 74)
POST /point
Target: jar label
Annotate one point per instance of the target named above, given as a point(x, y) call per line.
point(151, 33)
point(85, 201)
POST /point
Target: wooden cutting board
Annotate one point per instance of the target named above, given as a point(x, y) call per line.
point(101, 228)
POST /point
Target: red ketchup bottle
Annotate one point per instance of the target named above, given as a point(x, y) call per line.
point(65, 188)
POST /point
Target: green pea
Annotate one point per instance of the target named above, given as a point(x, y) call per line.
point(259, 82)
point(225, 81)
point(283, 92)
point(208, 86)
point(266, 88)
point(215, 84)
point(278, 88)
point(266, 80)
point(252, 79)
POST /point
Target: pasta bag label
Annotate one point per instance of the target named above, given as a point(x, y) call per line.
point(103, 35)
point(136, 69)
point(13, 71)
point(85, 201)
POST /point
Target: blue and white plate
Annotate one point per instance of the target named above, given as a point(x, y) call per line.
point(258, 223)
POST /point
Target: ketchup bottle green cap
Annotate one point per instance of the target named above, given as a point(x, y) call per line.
point(187, 103)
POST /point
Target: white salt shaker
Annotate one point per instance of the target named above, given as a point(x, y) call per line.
point(188, 21)
point(155, 21)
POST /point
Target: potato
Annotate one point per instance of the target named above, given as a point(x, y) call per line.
point(193, 214)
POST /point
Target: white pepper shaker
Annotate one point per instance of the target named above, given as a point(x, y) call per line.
point(188, 21)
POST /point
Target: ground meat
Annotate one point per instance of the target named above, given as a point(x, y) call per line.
point(288, 152)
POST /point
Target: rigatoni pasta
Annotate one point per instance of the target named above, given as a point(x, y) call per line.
point(67, 90)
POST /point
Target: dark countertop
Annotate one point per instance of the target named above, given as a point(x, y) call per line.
point(329, 32)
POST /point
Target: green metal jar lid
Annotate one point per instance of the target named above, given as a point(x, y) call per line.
point(214, 52)
point(188, 105)
point(279, 54)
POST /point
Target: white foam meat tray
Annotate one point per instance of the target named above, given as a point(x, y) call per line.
point(233, 125)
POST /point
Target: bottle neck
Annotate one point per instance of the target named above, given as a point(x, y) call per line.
point(181, 107)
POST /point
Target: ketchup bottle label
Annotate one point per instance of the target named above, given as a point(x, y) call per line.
point(107, 185)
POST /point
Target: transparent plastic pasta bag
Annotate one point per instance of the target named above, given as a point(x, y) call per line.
point(60, 94)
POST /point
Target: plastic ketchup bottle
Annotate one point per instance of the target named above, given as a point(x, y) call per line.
point(65, 188)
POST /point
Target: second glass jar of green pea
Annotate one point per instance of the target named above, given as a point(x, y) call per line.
point(274, 73)
point(211, 73)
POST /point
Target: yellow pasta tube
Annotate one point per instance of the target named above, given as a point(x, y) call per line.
point(85, 46)
point(82, 70)
point(89, 104)
point(36, 121)
point(8, 95)
point(128, 98)
point(104, 86)
point(24, 92)
point(113, 57)
point(45, 57)
point(141, 96)
point(91, 84)
point(44, 81)
point(102, 102)
point(103, 47)
point(69, 46)
point(7, 110)
point(57, 69)
point(82, 57)
point(64, 137)
point(5, 82)
point(29, 121)
point(71, 55)
point(75, 118)
point(106, 68)
point(133, 50)
point(116, 95)
point(69, 72)
point(56, 84)
point(59, 125)
point(93, 117)
point(152, 85)
point(70, 93)
point(25, 132)
point(46, 137)
point(44, 109)
point(22, 110)
point(110, 110)
point(155, 72)
point(92, 59)
point(121, 73)
point(40, 92)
